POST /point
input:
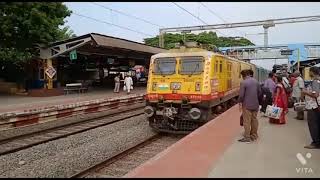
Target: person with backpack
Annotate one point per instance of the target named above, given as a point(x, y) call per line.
point(280, 100)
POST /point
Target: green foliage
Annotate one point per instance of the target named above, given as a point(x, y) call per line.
point(209, 39)
point(66, 33)
point(26, 24)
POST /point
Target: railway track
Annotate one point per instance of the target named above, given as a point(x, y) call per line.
point(123, 162)
point(21, 142)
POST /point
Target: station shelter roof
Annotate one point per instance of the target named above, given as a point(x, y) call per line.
point(98, 44)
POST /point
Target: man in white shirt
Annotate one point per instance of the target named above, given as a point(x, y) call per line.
point(128, 83)
point(313, 107)
point(116, 83)
point(297, 88)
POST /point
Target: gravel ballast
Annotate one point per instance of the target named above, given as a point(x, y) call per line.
point(4, 134)
point(66, 156)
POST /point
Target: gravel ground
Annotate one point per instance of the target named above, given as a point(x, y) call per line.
point(66, 156)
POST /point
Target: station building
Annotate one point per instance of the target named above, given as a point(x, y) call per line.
point(92, 59)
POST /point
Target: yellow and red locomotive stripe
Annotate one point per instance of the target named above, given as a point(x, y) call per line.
point(191, 97)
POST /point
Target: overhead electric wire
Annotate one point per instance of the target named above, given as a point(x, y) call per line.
point(128, 15)
point(215, 14)
point(189, 13)
point(212, 12)
point(195, 16)
point(122, 27)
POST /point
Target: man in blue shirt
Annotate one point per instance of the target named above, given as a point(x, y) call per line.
point(270, 84)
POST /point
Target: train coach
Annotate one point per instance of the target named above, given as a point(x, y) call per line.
point(186, 86)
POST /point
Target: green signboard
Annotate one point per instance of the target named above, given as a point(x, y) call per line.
point(73, 55)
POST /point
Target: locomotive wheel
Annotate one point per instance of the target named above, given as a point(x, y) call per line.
point(218, 109)
point(234, 101)
point(207, 114)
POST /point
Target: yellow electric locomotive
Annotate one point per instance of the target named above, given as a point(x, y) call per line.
point(187, 85)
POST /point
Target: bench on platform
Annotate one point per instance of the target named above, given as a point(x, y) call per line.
point(78, 87)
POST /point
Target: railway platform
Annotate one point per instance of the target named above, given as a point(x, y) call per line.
point(20, 103)
point(213, 151)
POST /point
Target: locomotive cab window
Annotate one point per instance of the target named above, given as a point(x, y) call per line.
point(216, 66)
point(220, 67)
point(164, 66)
point(191, 65)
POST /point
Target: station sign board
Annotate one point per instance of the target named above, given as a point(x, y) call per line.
point(73, 55)
point(50, 71)
point(286, 52)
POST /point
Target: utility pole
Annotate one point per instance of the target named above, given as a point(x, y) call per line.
point(266, 27)
point(298, 59)
point(161, 39)
point(287, 53)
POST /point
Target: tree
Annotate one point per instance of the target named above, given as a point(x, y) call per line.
point(23, 26)
point(210, 39)
point(66, 33)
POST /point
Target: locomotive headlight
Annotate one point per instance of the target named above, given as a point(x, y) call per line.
point(149, 111)
point(195, 113)
point(198, 86)
point(175, 86)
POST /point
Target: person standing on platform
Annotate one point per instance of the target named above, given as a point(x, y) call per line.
point(297, 87)
point(292, 79)
point(249, 105)
point(270, 84)
point(268, 89)
point(131, 82)
point(266, 98)
point(128, 83)
point(101, 74)
point(280, 100)
point(117, 83)
point(313, 107)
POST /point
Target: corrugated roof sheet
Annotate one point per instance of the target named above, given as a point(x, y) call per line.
point(108, 41)
point(114, 42)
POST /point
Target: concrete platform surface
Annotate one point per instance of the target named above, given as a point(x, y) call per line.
point(273, 155)
point(193, 155)
point(10, 103)
point(213, 150)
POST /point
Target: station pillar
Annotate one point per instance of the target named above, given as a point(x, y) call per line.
point(49, 80)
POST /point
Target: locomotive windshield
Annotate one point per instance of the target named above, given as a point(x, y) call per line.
point(191, 65)
point(165, 66)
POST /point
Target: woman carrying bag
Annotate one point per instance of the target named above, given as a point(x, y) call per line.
point(128, 84)
point(280, 100)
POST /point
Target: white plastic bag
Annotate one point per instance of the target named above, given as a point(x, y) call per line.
point(299, 106)
point(131, 87)
point(273, 112)
point(124, 88)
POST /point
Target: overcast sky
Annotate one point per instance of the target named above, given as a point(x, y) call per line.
point(166, 14)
